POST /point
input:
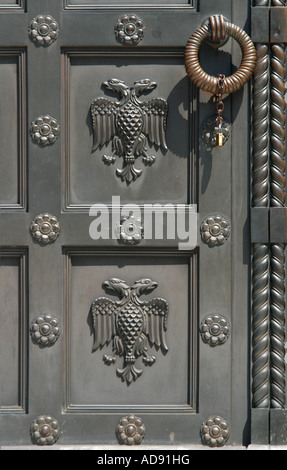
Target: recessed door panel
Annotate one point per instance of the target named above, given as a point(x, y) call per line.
point(89, 176)
point(12, 130)
point(13, 348)
point(93, 382)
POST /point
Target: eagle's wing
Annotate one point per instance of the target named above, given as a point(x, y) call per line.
point(104, 321)
point(103, 113)
point(156, 313)
point(155, 121)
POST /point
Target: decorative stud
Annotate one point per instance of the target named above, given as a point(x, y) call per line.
point(129, 30)
point(209, 131)
point(43, 30)
point(45, 228)
point(45, 130)
point(215, 230)
point(215, 432)
point(45, 431)
point(214, 330)
point(130, 230)
point(130, 430)
point(45, 330)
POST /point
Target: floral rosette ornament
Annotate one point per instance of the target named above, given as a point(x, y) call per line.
point(45, 330)
point(130, 230)
point(45, 130)
point(43, 30)
point(215, 230)
point(130, 30)
point(214, 330)
point(215, 432)
point(45, 228)
point(130, 430)
point(45, 431)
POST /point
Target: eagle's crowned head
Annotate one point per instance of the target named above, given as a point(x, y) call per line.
point(117, 285)
point(144, 86)
point(118, 86)
point(144, 286)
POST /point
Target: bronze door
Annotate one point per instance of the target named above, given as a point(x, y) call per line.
point(115, 329)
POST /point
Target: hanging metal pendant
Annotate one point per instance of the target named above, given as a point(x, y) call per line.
point(209, 133)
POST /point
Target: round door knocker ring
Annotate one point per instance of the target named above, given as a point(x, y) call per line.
point(209, 83)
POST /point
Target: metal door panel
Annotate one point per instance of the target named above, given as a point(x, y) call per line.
point(91, 385)
point(82, 4)
point(13, 125)
point(193, 380)
point(12, 4)
point(13, 363)
point(88, 179)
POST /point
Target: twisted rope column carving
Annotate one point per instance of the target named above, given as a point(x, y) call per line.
point(269, 183)
point(261, 129)
point(260, 323)
point(277, 326)
point(278, 3)
point(278, 121)
point(261, 3)
point(278, 199)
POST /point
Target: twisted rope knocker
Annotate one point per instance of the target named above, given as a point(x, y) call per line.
point(207, 82)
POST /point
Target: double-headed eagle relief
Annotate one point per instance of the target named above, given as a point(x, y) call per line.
point(132, 325)
point(129, 122)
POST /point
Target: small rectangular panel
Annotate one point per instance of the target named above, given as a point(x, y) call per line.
point(13, 353)
point(86, 4)
point(12, 130)
point(87, 179)
point(167, 384)
point(12, 4)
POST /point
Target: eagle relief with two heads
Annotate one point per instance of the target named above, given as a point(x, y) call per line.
point(130, 324)
point(129, 122)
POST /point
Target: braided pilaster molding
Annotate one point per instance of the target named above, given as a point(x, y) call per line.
point(269, 183)
point(261, 3)
point(261, 129)
point(278, 121)
point(260, 294)
point(278, 199)
point(278, 3)
point(277, 327)
point(260, 328)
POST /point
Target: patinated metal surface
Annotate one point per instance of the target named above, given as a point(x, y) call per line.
point(269, 191)
point(54, 58)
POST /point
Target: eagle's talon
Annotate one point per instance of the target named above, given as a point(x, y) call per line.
point(108, 360)
point(149, 360)
point(149, 160)
point(109, 160)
